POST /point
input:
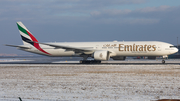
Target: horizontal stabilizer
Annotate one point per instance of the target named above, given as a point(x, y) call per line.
point(24, 47)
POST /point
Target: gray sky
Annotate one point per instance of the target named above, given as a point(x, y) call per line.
point(89, 20)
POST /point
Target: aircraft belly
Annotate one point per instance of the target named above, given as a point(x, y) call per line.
point(52, 52)
point(60, 52)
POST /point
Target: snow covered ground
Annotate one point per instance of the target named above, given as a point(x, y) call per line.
point(62, 82)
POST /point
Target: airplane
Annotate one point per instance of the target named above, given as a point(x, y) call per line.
point(100, 51)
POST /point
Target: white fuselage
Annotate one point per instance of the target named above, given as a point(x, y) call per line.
point(129, 48)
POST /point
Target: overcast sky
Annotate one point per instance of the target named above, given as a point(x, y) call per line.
point(89, 20)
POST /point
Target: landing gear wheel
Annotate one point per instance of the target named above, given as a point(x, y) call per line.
point(163, 61)
point(89, 61)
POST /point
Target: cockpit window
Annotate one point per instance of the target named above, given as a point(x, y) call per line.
point(172, 47)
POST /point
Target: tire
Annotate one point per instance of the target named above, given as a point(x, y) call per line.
point(163, 61)
point(89, 62)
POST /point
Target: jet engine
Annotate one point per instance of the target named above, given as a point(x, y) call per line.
point(119, 58)
point(101, 55)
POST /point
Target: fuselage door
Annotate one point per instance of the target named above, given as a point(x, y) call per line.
point(159, 47)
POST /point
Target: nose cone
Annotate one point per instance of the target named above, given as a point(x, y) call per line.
point(173, 50)
point(176, 50)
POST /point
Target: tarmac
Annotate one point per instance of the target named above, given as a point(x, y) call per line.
point(135, 80)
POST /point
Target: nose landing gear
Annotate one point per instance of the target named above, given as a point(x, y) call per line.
point(164, 57)
point(163, 61)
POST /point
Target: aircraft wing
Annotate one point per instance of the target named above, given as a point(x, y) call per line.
point(24, 47)
point(69, 48)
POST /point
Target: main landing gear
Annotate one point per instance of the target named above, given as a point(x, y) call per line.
point(90, 61)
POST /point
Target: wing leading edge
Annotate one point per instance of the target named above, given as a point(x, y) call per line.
point(69, 48)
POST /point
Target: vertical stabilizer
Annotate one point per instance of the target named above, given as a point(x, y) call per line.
point(28, 38)
point(26, 35)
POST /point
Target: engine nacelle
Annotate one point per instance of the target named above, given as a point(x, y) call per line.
point(101, 55)
point(119, 58)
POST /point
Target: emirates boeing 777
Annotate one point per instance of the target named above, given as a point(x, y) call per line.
point(100, 51)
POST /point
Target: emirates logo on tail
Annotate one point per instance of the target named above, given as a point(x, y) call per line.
point(29, 38)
